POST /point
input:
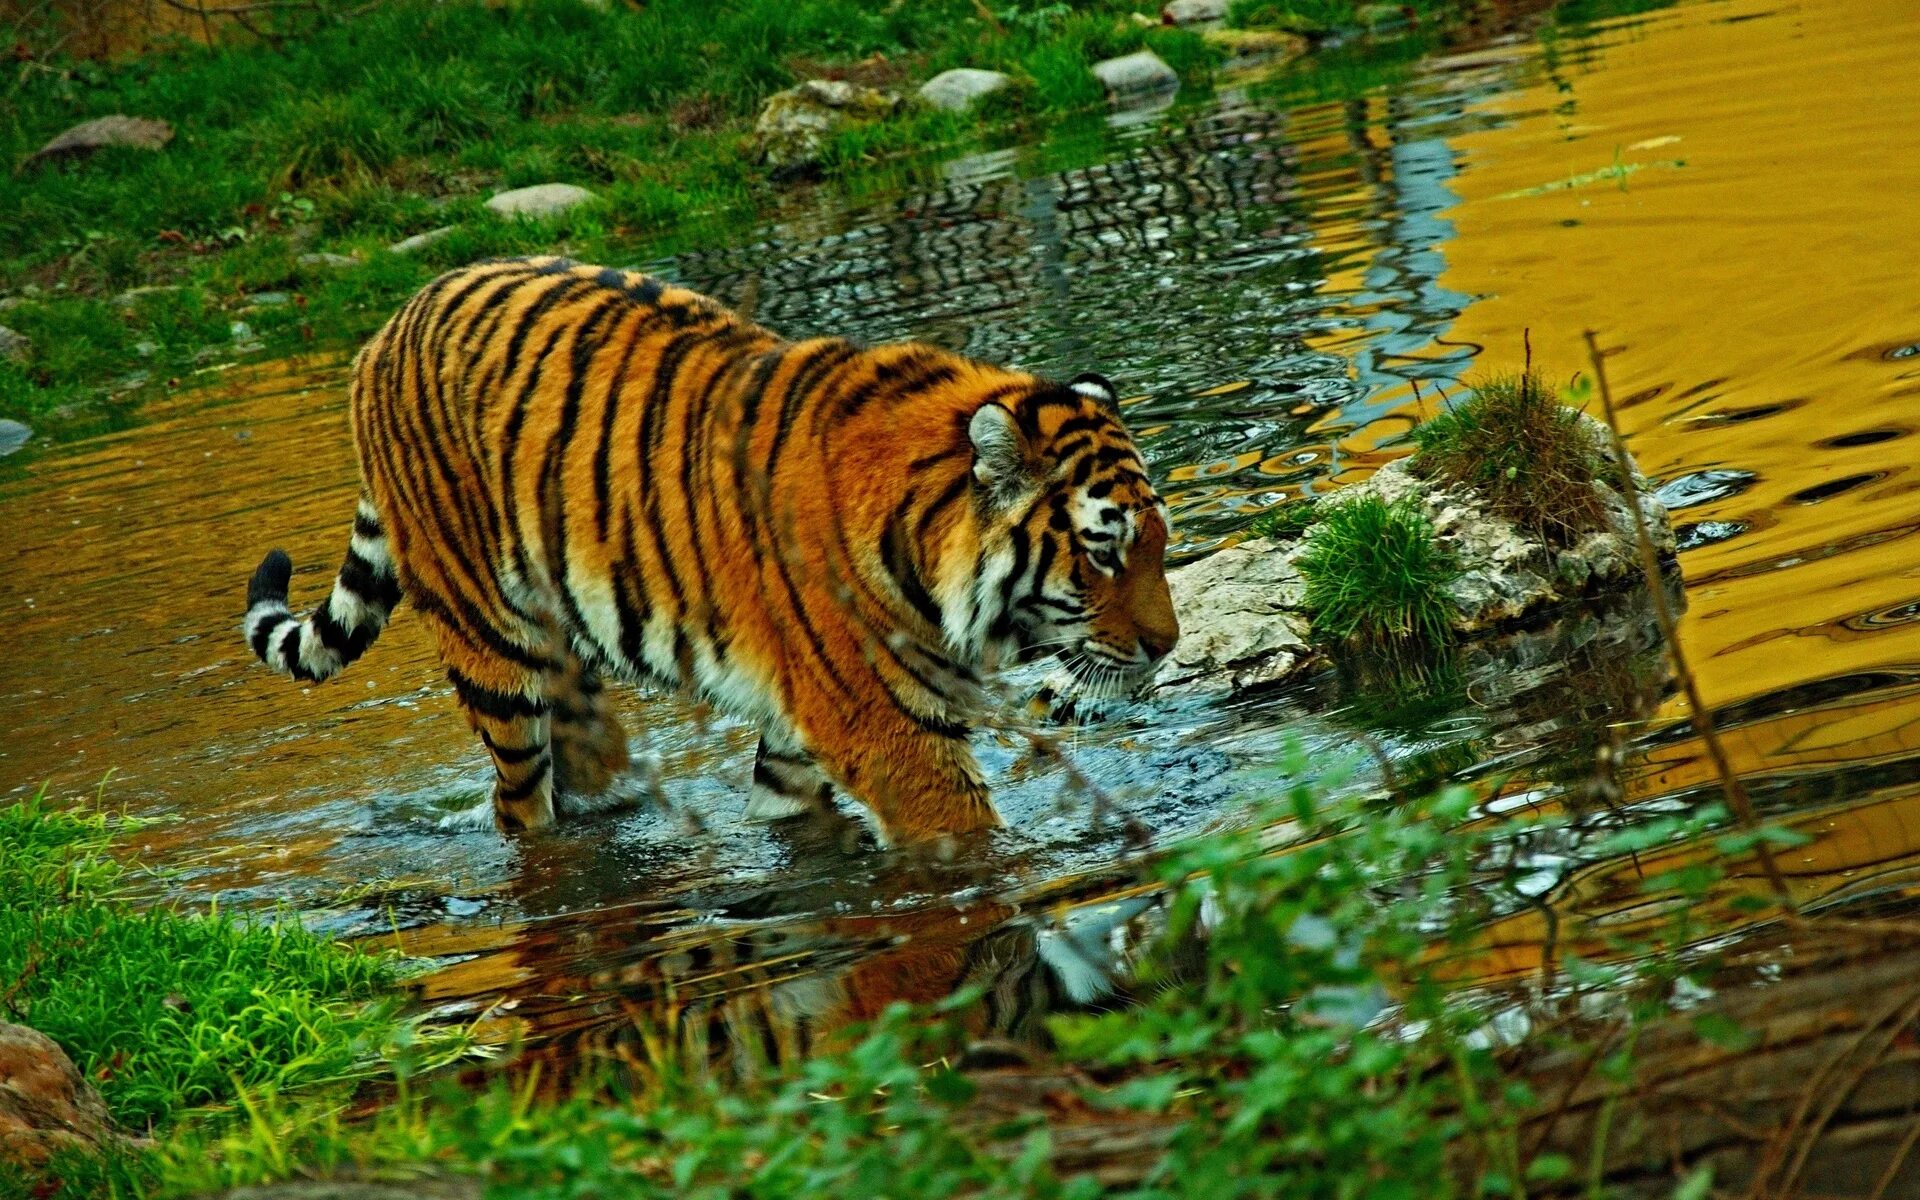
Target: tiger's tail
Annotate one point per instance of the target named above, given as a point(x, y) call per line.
point(338, 631)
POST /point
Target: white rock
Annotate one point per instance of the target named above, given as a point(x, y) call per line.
point(958, 89)
point(540, 200)
point(419, 241)
point(14, 347)
point(140, 133)
point(1193, 12)
point(13, 435)
point(1241, 623)
point(1137, 74)
point(323, 259)
point(133, 296)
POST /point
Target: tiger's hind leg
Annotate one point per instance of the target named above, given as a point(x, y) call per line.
point(589, 744)
point(505, 702)
point(786, 783)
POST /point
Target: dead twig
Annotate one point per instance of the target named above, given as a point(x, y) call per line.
point(1702, 717)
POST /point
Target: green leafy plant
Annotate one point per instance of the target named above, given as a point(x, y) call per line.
point(1376, 576)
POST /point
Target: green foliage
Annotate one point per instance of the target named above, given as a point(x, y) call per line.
point(1376, 577)
point(169, 1010)
point(1284, 521)
point(1513, 443)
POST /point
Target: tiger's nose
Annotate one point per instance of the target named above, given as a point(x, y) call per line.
point(1158, 645)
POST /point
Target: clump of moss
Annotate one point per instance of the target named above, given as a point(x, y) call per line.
point(1376, 577)
point(1285, 521)
point(1522, 451)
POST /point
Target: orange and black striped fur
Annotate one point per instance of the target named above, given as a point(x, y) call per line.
point(578, 473)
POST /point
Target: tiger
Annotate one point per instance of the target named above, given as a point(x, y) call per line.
point(583, 474)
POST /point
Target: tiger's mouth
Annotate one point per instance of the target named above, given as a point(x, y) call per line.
point(1096, 675)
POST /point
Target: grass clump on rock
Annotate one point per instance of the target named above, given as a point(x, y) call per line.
point(1375, 575)
point(167, 1010)
point(1522, 452)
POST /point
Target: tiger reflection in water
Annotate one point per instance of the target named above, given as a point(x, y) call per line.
point(756, 998)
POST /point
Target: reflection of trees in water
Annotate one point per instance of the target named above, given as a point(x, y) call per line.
point(1188, 261)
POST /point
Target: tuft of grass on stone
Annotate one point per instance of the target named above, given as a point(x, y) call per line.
point(167, 1010)
point(1376, 577)
point(1286, 521)
point(1515, 445)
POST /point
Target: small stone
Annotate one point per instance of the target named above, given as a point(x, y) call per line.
point(240, 330)
point(958, 89)
point(1193, 12)
point(460, 906)
point(793, 127)
point(420, 241)
point(338, 262)
point(11, 302)
point(1142, 74)
point(45, 1103)
point(132, 297)
point(146, 349)
point(15, 347)
point(540, 200)
point(139, 133)
point(269, 299)
point(1255, 47)
point(13, 435)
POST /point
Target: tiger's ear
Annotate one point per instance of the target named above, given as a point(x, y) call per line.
point(1000, 461)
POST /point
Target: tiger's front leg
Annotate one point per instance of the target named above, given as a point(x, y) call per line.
point(786, 781)
point(920, 783)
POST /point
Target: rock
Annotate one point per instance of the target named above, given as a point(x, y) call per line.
point(11, 302)
point(15, 347)
point(958, 89)
point(13, 435)
point(420, 241)
point(1255, 47)
point(146, 349)
point(793, 128)
point(1131, 76)
point(1241, 620)
point(140, 133)
point(45, 1104)
point(1507, 574)
point(269, 299)
point(338, 262)
point(540, 200)
point(132, 297)
point(1193, 12)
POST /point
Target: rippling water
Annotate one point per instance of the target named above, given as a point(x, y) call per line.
point(1723, 191)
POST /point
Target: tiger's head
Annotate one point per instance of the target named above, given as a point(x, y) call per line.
point(1074, 538)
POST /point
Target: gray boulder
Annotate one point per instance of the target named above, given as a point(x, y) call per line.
point(419, 241)
point(792, 129)
point(1241, 619)
point(46, 1105)
point(13, 435)
point(958, 89)
point(15, 347)
point(337, 262)
point(540, 200)
point(1193, 12)
point(1140, 75)
point(139, 133)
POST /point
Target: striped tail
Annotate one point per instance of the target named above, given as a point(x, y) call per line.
point(338, 631)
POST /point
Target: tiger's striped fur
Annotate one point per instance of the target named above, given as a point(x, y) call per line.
point(577, 472)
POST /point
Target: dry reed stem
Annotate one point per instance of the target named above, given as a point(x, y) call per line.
point(1701, 716)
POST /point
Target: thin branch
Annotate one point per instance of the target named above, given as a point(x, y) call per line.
point(1702, 718)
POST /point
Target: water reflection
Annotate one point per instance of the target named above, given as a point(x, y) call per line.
point(1269, 284)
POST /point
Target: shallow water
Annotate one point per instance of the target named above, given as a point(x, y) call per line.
point(1721, 190)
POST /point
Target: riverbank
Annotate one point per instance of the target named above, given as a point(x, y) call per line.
point(307, 183)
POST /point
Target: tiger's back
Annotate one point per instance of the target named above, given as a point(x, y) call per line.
point(577, 472)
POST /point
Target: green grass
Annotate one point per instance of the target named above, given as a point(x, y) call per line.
point(168, 1010)
point(1522, 451)
point(1286, 521)
point(1375, 576)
